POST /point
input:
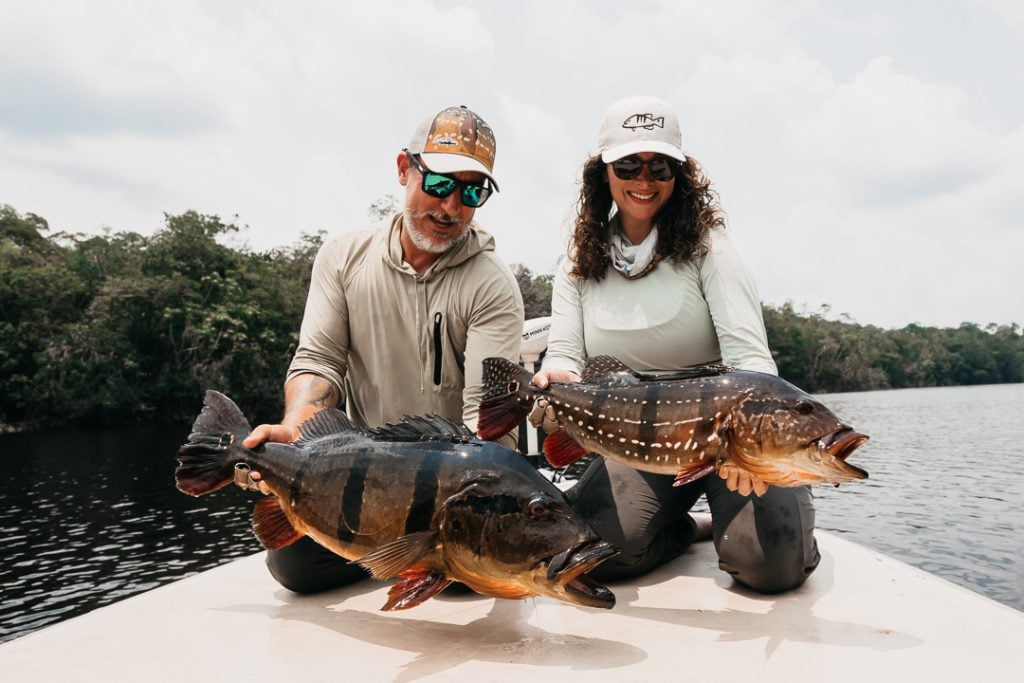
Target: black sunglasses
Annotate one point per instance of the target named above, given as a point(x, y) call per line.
point(661, 168)
point(472, 194)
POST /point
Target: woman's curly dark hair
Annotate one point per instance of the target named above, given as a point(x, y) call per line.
point(683, 223)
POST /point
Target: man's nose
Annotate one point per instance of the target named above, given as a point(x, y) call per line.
point(452, 204)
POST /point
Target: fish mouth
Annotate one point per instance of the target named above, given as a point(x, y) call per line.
point(840, 445)
point(569, 567)
point(843, 443)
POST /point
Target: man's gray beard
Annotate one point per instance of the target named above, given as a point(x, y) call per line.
point(425, 243)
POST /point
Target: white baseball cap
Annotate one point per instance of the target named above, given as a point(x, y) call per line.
point(453, 140)
point(639, 124)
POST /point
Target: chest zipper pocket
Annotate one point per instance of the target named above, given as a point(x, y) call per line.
point(437, 348)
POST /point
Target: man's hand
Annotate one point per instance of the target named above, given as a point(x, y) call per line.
point(268, 433)
point(741, 481)
point(277, 433)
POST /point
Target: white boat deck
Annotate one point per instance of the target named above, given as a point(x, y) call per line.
point(861, 617)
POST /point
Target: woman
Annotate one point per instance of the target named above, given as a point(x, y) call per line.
point(653, 279)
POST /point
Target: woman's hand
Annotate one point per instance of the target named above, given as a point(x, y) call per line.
point(543, 415)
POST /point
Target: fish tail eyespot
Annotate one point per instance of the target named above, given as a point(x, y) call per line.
point(203, 468)
point(206, 463)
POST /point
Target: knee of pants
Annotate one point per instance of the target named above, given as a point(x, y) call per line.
point(291, 574)
point(775, 576)
point(306, 567)
point(768, 567)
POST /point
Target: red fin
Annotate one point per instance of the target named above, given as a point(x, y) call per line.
point(397, 556)
point(417, 585)
point(561, 450)
point(498, 416)
point(693, 473)
point(271, 526)
point(507, 397)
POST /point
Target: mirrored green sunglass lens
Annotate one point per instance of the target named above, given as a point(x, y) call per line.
point(474, 195)
point(438, 185)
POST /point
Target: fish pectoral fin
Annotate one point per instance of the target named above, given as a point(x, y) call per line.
point(271, 526)
point(561, 450)
point(397, 556)
point(692, 473)
point(417, 585)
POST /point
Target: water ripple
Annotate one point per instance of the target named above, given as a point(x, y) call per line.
point(91, 517)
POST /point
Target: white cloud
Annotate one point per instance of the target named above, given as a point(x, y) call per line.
point(853, 172)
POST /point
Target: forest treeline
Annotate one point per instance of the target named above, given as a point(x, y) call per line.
point(122, 328)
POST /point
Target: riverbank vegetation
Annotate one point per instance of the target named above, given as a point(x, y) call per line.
point(122, 328)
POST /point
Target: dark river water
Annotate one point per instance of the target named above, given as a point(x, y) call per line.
point(90, 517)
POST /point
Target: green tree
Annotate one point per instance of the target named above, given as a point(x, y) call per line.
point(536, 291)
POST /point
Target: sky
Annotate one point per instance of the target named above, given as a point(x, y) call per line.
point(869, 155)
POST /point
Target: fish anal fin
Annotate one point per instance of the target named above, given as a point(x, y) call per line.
point(694, 472)
point(561, 450)
point(272, 526)
point(397, 556)
point(418, 585)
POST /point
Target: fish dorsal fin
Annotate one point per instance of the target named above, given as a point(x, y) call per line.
point(708, 370)
point(608, 371)
point(422, 428)
point(329, 422)
point(394, 557)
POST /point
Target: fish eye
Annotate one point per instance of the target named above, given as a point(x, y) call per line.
point(804, 407)
point(538, 509)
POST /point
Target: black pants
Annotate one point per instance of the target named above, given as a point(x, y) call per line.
point(766, 543)
point(307, 567)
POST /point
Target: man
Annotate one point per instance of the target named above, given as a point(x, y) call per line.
point(399, 317)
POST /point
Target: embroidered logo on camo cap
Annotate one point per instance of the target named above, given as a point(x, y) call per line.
point(454, 140)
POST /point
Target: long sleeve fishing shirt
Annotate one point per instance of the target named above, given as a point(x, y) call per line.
point(396, 343)
point(680, 314)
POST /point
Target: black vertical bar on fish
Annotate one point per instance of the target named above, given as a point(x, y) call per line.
point(424, 496)
point(599, 402)
point(704, 406)
point(295, 490)
point(648, 418)
point(352, 499)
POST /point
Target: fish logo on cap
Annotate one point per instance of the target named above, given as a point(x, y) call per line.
point(645, 121)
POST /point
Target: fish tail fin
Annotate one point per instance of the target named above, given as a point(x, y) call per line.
point(207, 462)
point(507, 397)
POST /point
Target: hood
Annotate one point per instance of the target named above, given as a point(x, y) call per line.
point(475, 241)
